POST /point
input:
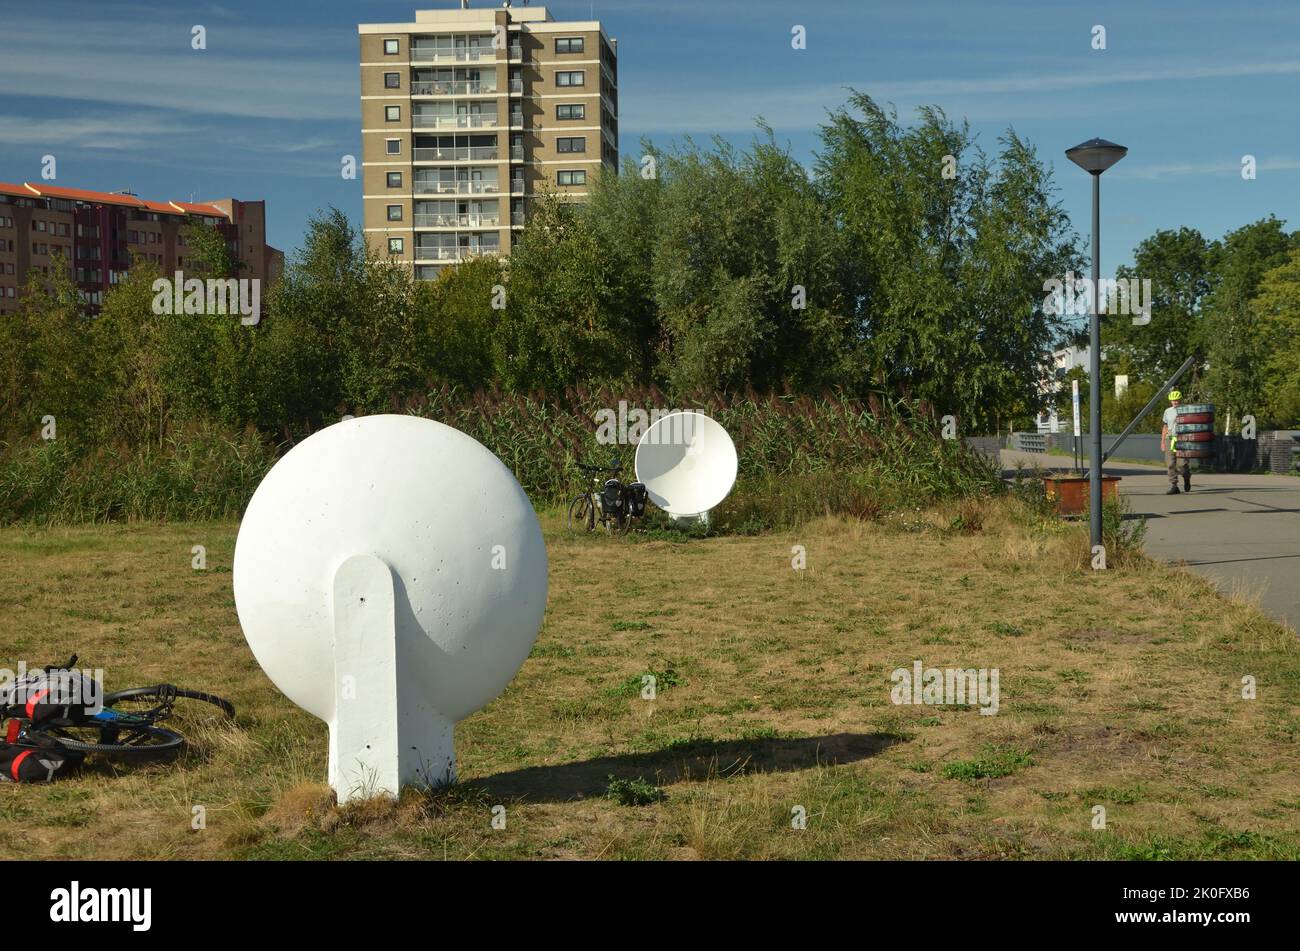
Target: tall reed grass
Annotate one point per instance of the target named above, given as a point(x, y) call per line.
point(199, 472)
point(800, 457)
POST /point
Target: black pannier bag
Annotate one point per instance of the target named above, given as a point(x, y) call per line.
point(636, 499)
point(51, 697)
point(611, 497)
point(36, 759)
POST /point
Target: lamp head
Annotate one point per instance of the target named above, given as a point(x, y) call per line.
point(1096, 155)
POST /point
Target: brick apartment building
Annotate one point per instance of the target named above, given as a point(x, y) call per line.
point(468, 114)
point(97, 232)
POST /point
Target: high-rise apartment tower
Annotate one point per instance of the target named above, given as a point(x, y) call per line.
point(467, 115)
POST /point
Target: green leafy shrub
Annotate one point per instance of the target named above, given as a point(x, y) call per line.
point(634, 792)
point(199, 472)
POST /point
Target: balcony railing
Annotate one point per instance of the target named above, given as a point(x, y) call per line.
point(516, 120)
point(452, 253)
point(516, 186)
point(473, 153)
point(516, 217)
point(516, 85)
point(468, 87)
point(479, 220)
point(457, 188)
point(516, 52)
point(516, 153)
point(475, 121)
point(444, 54)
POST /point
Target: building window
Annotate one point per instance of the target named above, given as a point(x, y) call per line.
point(393, 113)
point(392, 80)
point(574, 144)
point(394, 212)
point(390, 47)
point(394, 179)
point(575, 111)
point(393, 146)
point(572, 78)
point(575, 177)
point(396, 245)
point(569, 44)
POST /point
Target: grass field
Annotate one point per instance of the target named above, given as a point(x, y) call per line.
point(1119, 689)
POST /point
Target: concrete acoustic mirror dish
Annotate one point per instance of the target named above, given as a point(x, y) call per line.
point(688, 464)
point(390, 578)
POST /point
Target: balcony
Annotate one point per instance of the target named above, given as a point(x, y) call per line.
point(516, 186)
point(448, 87)
point(516, 53)
point(516, 153)
point(455, 122)
point(472, 153)
point(516, 218)
point(452, 253)
point(457, 188)
point(443, 54)
point(479, 220)
point(516, 120)
point(516, 86)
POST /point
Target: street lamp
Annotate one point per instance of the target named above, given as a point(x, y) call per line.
point(1094, 157)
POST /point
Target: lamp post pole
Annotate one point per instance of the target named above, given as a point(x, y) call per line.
point(1094, 371)
point(1094, 157)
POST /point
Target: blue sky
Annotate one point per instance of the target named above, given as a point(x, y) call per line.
point(114, 91)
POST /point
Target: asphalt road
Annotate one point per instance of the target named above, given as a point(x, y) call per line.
point(1240, 531)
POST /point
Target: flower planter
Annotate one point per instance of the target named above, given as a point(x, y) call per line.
point(1070, 493)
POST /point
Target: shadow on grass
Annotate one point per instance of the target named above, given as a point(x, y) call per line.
point(684, 762)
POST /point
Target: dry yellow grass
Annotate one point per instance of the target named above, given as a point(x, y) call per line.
point(1118, 688)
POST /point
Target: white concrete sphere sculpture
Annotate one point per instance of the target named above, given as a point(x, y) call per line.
point(687, 462)
point(468, 587)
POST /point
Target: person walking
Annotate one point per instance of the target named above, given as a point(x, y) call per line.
point(1168, 442)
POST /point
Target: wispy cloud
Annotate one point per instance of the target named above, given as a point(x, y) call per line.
point(1226, 167)
point(803, 108)
point(115, 133)
point(242, 73)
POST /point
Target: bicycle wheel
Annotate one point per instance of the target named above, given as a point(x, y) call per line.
point(582, 514)
point(132, 742)
point(143, 701)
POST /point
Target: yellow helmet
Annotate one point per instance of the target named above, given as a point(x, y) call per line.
point(1175, 395)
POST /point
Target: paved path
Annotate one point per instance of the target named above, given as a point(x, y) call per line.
point(1240, 531)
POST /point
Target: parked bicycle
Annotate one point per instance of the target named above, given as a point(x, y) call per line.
point(608, 501)
point(54, 721)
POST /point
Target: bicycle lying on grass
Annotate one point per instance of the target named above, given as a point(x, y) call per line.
point(609, 501)
point(55, 719)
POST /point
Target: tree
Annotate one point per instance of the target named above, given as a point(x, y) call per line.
point(1177, 263)
point(57, 367)
point(130, 339)
point(558, 328)
point(1235, 343)
point(623, 214)
point(342, 333)
point(946, 258)
point(1276, 312)
point(458, 321)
